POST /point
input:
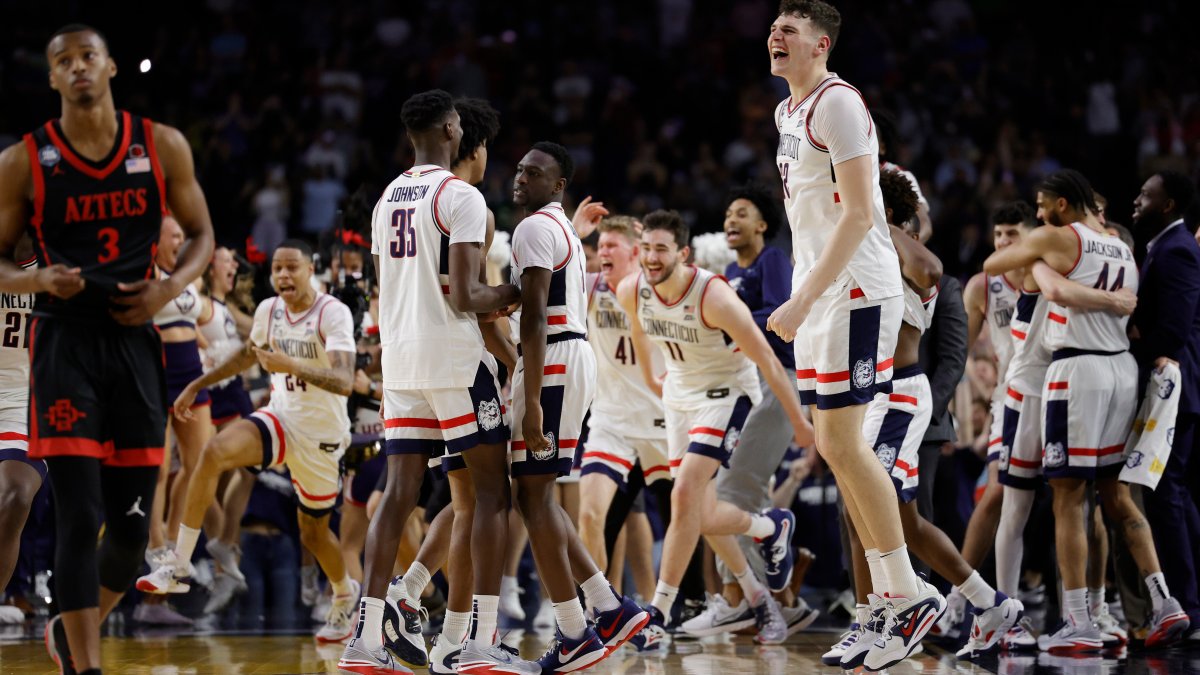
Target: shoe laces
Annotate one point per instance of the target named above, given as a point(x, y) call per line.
point(888, 619)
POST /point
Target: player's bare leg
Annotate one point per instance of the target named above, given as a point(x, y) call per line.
point(316, 536)
point(19, 484)
point(639, 544)
point(546, 522)
point(192, 436)
point(405, 473)
point(981, 529)
point(596, 495)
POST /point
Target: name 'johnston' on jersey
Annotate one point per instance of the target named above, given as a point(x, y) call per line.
point(703, 363)
point(427, 344)
point(1103, 262)
point(830, 126)
point(309, 337)
point(623, 403)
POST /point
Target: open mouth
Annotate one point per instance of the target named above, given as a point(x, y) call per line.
point(778, 54)
point(606, 266)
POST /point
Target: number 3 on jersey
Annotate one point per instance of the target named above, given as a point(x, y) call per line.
point(405, 243)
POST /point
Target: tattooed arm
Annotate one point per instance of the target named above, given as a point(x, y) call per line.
point(232, 366)
point(337, 378)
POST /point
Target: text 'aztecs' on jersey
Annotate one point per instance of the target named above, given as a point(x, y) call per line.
point(427, 344)
point(103, 217)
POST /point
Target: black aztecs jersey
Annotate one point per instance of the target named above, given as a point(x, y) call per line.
point(103, 217)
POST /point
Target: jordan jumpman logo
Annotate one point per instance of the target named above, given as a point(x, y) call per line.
point(136, 509)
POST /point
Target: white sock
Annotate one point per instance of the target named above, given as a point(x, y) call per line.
point(185, 546)
point(978, 592)
point(508, 585)
point(370, 623)
point(761, 526)
point(664, 597)
point(416, 579)
point(483, 619)
point(599, 593)
point(455, 627)
point(862, 614)
point(901, 579)
point(878, 577)
point(1095, 600)
point(1157, 584)
point(1075, 605)
point(569, 616)
point(341, 587)
point(756, 594)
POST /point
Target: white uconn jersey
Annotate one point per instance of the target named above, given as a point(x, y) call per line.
point(547, 240)
point(1104, 262)
point(427, 344)
point(14, 343)
point(703, 364)
point(220, 332)
point(623, 403)
point(918, 311)
point(999, 308)
point(1027, 369)
point(308, 410)
point(829, 126)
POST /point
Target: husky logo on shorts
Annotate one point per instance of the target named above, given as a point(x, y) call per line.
point(551, 450)
point(1003, 455)
point(1055, 455)
point(489, 415)
point(731, 438)
point(1165, 389)
point(886, 455)
point(1135, 458)
point(864, 373)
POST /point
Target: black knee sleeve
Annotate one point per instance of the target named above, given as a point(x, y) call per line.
point(128, 495)
point(78, 506)
point(620, 507)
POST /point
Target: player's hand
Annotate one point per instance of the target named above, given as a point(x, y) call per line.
point(588, 216)
point(501, 313)
point(803, 434)
point(1162, 361)
point(362, 383)
point(272, 360)
point(141, 301)
point(657, 385)
point(183, 404)
point(531, 429)
point(802, 467)
point(1124, 302)
point(788, 317)
point(60, 281)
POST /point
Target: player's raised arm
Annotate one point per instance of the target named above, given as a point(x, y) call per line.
point(1054, 245)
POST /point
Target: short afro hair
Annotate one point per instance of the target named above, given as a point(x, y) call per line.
point(899, 196)
point(1014, 213)
point(1178, 188)
point(77, 28)
point(566, 165)
point(480, 125)
point(767, 204)
point(823, 15)
point(428, 109)
point(304, 247)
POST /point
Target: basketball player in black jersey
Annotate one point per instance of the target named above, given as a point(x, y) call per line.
point(91, 187)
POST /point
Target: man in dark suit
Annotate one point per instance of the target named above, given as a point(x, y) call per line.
point(1166, 327)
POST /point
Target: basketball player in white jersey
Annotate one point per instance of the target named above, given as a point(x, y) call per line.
point(305, 340)
point(1090, 370)
point(711, 345)
point(552, 388)
point(847, 297)
point(440, 387)
point(20, 477)
point(990, 302)
point(627, 425)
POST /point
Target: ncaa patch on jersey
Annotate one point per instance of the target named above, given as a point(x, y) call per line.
point(49, 155)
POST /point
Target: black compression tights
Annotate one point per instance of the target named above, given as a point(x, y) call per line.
point(87, 494)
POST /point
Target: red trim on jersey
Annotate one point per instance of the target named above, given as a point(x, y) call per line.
point(806, 374)
point(418, 174)
point(280, 435)
point(655, 469)
point(711, 431)
point(837, 198)
point(555, 369)
point(1016, 394)
point(61, 446)
point(597, 454)
point(1096, 452)
point(320, 332)
point(445, 289)
point(411, 423)
point(12, 436)
point(703, 293)
point(39, 196)
point(556, 319)
point(675, 462)
point(695, 273)
point(826, 378)
point(316, 303)
point(1057, 318)
point(455, 422)
point(437, 221)
point(159, 176)
point(1009, 283)
point(1056, 386)
point(135, 457)
point(883, 365)
point(82, 166)
point(904, 466)
point(316, 498)
point(839, 83)
point(595, 285)
point(807, 96)
point(856, 293)
point(902, 398)
point(1019, 334)
point(995, 441)
point(570, 249)
point(1078, 249)
point(568, 442)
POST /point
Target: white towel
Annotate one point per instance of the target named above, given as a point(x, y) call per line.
point(1149, 444)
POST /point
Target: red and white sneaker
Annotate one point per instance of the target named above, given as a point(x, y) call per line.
point(1073, 639)
point(906, 621)
point(1169, 624)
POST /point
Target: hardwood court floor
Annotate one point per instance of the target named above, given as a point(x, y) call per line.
point(233, 654)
